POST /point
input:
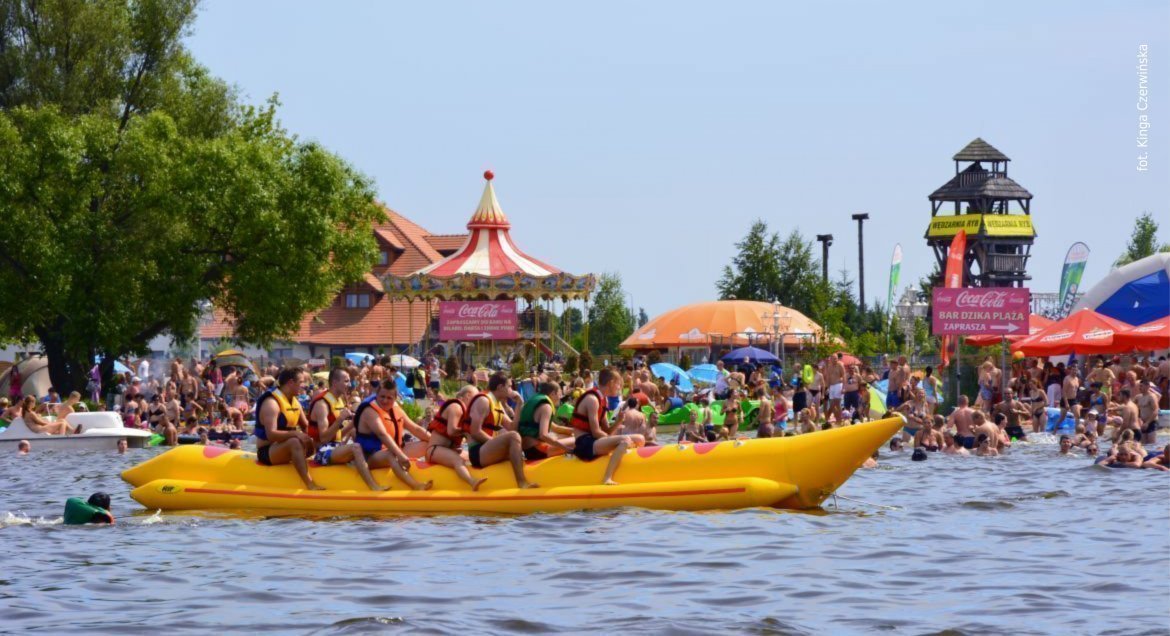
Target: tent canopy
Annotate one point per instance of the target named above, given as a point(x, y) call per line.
point(701, 324)
point(1136, 294)
point(1083, 332)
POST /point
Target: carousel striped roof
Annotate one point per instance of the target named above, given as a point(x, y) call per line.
point(489, 249)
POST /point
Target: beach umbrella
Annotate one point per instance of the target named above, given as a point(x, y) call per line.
point(672, 373)
point(358, 358)
point(1083, 332)
point(749, 354)
point(233, 358)
point(704, 373)
point(1152, 336)
point(847, 359)
point(403, 361)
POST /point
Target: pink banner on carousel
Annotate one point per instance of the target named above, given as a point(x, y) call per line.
point(966, 311)
point(478, 320)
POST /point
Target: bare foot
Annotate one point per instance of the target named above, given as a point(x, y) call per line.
point(316, 487)
point(426, 486)
point(530, 485)
point(477, 484)
point(609, 482)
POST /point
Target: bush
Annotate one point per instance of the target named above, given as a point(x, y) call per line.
point(685, 361)
point(451, 367)
point(571, 364)
point(654, 358)
point(586, 362)
point(338, 362)
point(412, 410)
point(518, 371)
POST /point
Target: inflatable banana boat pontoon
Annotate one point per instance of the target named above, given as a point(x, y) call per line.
point(787, 472)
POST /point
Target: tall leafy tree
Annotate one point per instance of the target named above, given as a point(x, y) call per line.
point(135, 188)
point(754, 272)
point(1143, 242)
point(610, 320)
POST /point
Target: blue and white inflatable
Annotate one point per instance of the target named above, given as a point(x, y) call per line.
point(1136, 293)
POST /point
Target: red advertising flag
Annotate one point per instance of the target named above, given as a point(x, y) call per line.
point(953, 277)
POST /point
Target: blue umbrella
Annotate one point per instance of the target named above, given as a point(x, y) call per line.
point(750, 354)
point(118, 366)
point(706, 373)
point(672, 373)
point(358, 358)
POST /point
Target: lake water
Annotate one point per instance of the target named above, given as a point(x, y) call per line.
point(1027, 543)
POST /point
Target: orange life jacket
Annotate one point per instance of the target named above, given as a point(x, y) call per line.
point(579, 420)
point(438, 424)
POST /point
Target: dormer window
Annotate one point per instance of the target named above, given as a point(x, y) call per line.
point(357, 301)
point(383, 258)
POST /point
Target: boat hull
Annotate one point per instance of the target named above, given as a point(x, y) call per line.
point(791, 472)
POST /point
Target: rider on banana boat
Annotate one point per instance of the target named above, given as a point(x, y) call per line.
point(379, 434)
point(594, 432)
point(331, 422)
point(279, 420)
point(491, 439)
point(447, 430)
point(535, 424)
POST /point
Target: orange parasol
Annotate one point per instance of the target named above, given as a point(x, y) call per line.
point(1036, 322)
point(736, 321)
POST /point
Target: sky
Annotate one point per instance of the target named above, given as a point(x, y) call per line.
point(644, 138)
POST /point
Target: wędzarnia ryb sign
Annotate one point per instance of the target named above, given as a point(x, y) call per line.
point(969, 311)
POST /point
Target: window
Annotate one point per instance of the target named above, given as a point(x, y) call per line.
point(357, 301)
point(383, 257)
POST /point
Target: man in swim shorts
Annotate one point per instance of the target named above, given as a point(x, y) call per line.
point(1128, 413)
point(962, 420)
point(851, 399)
point(379, 434)
point(490, 438)
point(835, 379)
point(328, 417)
point(1147, 407)
point(279, 423)
point(593, 430)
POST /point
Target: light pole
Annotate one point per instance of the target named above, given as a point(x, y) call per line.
point(861, 217)
point(826, 240)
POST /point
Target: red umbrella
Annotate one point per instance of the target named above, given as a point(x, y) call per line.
point(1152, 336)
point(1036, 322)
point(1083, 332)
point(847, 359)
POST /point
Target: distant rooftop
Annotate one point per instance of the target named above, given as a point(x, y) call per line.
point(977, 183)
point(980, 150)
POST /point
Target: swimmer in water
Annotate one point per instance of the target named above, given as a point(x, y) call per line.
point(1161, 462)
point(23, 447)
point(986, 449)
point(1066, 445)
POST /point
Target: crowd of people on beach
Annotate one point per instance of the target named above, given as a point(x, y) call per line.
point(353, 414)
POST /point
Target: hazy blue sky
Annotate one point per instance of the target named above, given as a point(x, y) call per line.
point(645, 137)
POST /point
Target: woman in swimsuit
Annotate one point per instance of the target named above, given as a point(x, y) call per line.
point(38, 424)
point(731, 412)
point(928, 438)
point(915, 412)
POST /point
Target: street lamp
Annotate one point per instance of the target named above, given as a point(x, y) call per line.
point(826, 240)
point(909, 309)
point(861, 217)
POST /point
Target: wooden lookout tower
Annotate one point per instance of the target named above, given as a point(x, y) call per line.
point(995, 212)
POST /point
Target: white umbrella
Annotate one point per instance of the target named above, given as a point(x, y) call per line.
point(404, 361)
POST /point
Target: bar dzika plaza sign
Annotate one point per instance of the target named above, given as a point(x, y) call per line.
point(478, 320)
point(967, 311)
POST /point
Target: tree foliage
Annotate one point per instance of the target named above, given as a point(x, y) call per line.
point(136, 188)
point(610, 320)
point(1143, 242)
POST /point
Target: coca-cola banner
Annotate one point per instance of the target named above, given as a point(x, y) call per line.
point(1000, 311)
point(478, 320)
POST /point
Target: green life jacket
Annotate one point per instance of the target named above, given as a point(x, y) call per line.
point(526, 423)
point(78, 512)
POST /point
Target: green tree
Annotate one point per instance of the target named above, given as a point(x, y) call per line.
point(610, 320)
point(754, 272)
point(136, 188)
point(1143, 242)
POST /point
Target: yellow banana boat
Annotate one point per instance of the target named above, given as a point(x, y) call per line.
point(787, 472)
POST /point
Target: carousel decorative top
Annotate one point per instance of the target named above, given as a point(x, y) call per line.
point(489, 266)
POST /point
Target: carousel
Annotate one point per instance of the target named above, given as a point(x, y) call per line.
point(490, 266)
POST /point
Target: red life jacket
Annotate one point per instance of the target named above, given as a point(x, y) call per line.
point(438, 424)
point(579, 420)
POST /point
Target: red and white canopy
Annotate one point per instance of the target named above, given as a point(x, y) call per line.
point(489, 250)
